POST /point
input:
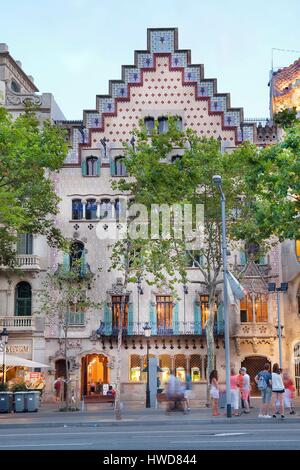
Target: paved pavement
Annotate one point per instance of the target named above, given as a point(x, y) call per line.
point(103, 416)
point(188, 436)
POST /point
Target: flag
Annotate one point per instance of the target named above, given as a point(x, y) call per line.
point(237, 290)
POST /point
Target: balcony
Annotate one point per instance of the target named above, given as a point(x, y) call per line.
point(177, 329)
point(28, 262)
point(258, 330)
point(17, 323)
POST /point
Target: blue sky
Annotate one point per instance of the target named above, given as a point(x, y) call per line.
point(73, 47)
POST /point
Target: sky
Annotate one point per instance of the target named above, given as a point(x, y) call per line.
point(73, 48)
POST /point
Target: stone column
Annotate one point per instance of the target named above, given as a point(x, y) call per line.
point(113, 212)
point(98, 202)
point(84, 202)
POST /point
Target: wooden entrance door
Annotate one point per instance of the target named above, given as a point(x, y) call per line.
point(254, 364)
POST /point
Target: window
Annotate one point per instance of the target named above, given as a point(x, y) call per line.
point(204, 308)
point(77, 209)
point(162, 125)
point(298, 300)
point(116, 302)
point(177, 160)
point(261, 308)
point(194, 258)
point(120, 168)
point(91, 209)
point(23, 299)
point(105, 209)
point(91, 166)
point(135, 368)
point(25, 244)
point(297, 247)
point(75, 315)
point(76, 253)
point(149, 124)
point(179, 123)
point(246, 309)
point(15, 86)
point(258, 304)
point(164, 312)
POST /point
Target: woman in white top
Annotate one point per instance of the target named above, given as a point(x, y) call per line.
point(278, 390)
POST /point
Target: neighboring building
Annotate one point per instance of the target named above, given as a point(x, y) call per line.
point(161, 82)
point(285, 88)
point(19, 293)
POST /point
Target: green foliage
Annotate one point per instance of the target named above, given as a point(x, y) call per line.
point(19, 387)
point(28, 154)
point(3, 387)
point(286, 118)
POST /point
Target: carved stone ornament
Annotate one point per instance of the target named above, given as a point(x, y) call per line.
point(21, 99)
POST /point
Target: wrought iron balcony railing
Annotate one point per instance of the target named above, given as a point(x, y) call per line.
point(176, 329)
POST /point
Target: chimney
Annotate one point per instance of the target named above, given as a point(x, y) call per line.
point(31, 78)
point(3, 47)
point(19, 63)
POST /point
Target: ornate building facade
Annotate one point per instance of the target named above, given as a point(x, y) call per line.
point(162, 82)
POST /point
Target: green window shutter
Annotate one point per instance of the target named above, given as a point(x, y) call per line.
point(112, 167)
point(66, 262)
point(220, 319)
point(243, 258)
point(107, 320)
point(197, 319)
point(153, 319)
point(83, 167)
point(130, 318)
point(98, 167)
point(262, 260)
point(82, 265)
point(176, 319)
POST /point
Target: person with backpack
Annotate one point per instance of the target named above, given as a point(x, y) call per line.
point(264, 383)
point(278, 390)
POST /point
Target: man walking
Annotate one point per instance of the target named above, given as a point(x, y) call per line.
point(245, 392)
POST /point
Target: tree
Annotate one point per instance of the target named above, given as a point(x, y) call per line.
point(28, 153)
point(188, 180)
point(63, 301)
point(256, 182)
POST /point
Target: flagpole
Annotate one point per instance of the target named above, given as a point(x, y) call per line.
point(218, 181)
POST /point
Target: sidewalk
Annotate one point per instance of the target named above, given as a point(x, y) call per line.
point(102, 415)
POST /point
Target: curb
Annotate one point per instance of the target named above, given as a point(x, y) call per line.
point(132, 422)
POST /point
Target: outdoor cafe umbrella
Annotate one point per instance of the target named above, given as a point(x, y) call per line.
point(13, 361)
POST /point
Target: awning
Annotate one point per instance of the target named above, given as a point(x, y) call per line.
point(13, 361)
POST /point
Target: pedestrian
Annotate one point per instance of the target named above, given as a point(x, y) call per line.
point(214, 392)
point(264, 383)
point(239, 382)
point(57, 388)
point(245, 389)
point(278, 390)
point(171, 392)
point(289, 392)
point(188, 389)
point(234, 392)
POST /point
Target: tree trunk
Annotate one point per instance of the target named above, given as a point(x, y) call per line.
point(210, 341)
point(118, 411)
point(67, 371)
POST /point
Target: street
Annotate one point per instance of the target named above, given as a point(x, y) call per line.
point(255, 436)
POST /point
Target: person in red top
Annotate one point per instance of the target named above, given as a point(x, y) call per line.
point(289, 392)
point(234, 389)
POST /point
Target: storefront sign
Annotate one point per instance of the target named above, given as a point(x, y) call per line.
point(34, 380)
point(18, 348)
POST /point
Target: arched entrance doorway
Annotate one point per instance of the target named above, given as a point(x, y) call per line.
point(254, 364)
point(94, 374)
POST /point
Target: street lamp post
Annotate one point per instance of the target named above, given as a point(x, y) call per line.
point(217, 180)
point(283, 288)
point(4, 339)
point(140, 292)
point(147, 332)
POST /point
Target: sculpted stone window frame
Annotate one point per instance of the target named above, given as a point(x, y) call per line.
point(254, 308)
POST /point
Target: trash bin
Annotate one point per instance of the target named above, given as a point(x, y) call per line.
point(6, 402)
point(33, 401)
point(20, 405)
point(222, 400)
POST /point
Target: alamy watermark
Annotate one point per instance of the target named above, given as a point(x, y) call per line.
point(160, 221)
